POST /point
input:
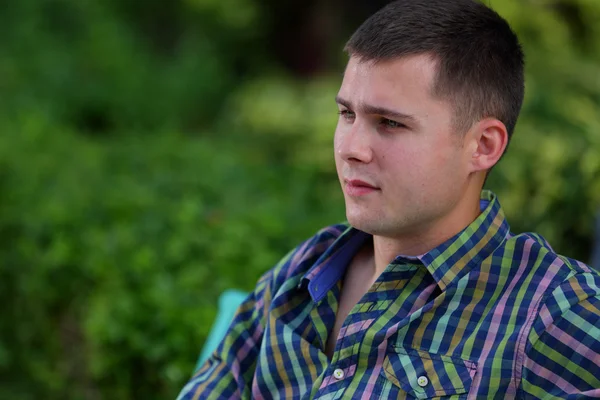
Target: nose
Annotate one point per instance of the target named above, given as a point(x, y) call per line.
point(353, 143)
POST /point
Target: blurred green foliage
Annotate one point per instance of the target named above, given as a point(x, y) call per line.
point(154, 154)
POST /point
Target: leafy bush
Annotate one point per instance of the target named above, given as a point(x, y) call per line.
point(115, 251)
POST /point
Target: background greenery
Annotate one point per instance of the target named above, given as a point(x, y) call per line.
point(154, 153)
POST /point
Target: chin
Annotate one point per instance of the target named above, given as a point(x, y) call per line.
point(366, 223)
point(377, 224)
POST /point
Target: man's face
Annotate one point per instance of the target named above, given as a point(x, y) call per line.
point(401, 167)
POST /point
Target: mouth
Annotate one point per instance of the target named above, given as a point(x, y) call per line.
point(356, 187)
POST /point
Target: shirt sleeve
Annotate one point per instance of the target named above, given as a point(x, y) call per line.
point(228, 373)
point(562, 358)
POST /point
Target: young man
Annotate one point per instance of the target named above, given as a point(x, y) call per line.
point(425, 292)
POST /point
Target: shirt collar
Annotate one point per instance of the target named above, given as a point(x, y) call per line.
point(446, 263)
point(332, 264)
point(454, 258)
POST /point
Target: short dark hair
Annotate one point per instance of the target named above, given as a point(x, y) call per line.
point(480, 61)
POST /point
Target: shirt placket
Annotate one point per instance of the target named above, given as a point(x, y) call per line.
point(363, 315)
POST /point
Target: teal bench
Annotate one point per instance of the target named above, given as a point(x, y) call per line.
point(229, 301)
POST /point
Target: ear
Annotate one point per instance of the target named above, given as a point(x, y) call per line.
point(489, 139)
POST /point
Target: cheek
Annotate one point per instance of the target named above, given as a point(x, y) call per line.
point(337, 140)
point(415, 166)
point(398, 159)
point(337, 153)
point(336, 145)
point(447, 170)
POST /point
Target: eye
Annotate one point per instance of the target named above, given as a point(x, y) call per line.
point(348, 115)
point(388, 123)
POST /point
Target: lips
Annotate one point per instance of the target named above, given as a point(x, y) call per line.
point(356, 187)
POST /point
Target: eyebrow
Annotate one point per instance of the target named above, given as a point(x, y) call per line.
point(376, 110)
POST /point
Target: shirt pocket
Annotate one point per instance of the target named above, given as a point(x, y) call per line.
point(423, 375)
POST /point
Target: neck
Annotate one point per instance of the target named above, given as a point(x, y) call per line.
point(422, 240)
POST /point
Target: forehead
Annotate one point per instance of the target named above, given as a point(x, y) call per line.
point(403, 80)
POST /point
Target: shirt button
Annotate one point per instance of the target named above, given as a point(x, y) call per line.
point(338, 374)
point(422, 381)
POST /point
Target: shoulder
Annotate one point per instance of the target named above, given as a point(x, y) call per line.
point(562, 283)
point(563, 343)
point(552, 281)
point(532, 251)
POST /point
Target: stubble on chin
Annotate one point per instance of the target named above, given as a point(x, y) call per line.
point(372, 222)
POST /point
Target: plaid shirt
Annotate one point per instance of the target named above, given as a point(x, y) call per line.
point(487, 314)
